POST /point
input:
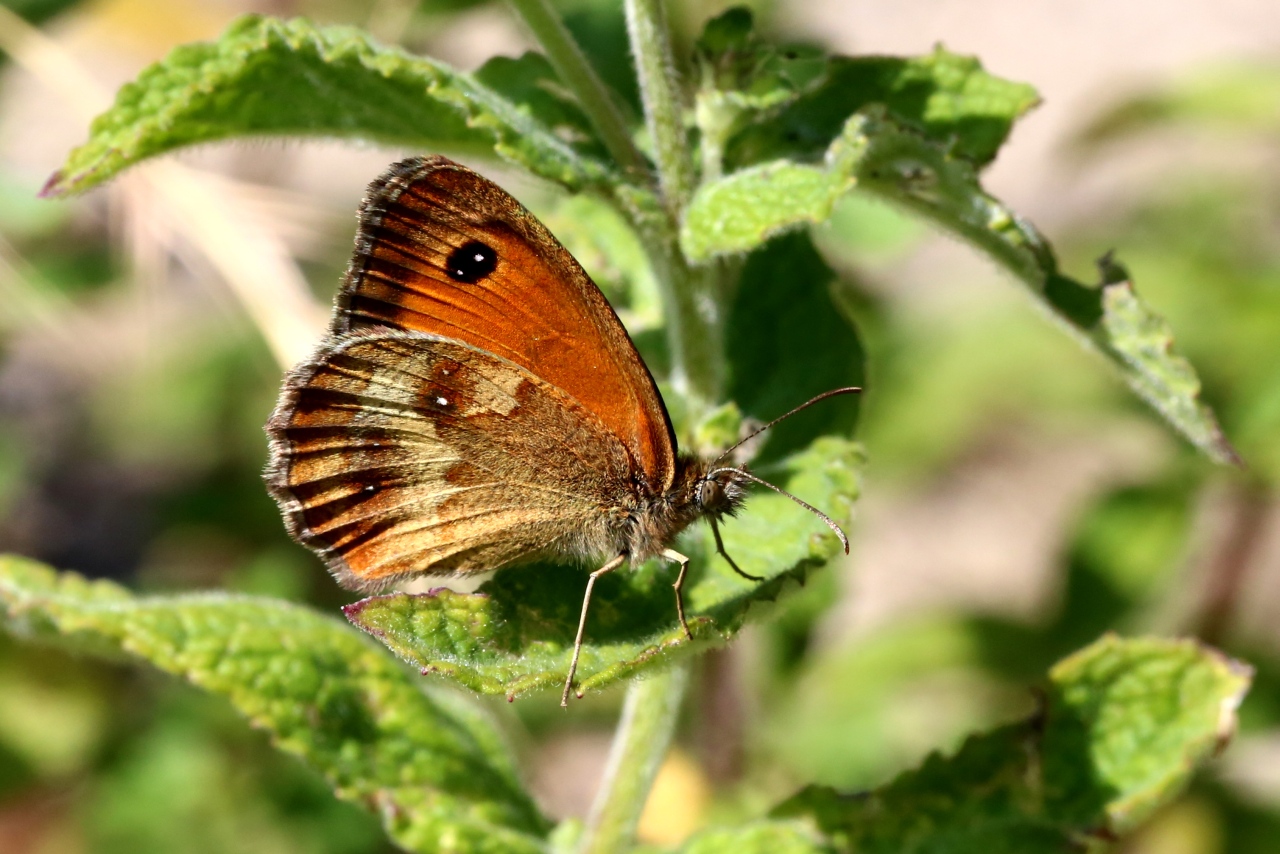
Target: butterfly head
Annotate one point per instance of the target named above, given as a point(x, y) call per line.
point(720, 492)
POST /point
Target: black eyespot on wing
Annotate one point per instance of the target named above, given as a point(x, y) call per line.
point(471, 262)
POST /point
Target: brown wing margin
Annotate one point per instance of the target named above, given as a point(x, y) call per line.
point(536, 306)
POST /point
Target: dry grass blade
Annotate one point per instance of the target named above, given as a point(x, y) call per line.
point(238, 240)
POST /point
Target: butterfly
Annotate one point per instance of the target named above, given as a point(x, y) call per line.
point(477, 403)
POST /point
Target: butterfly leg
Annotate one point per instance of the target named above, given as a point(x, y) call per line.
point(676, 557)
point(582, 624)
point(715, 530)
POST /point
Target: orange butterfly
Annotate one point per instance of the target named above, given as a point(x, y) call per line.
point(477, 403)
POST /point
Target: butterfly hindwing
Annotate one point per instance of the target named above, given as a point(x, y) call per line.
point(445, 251)
point(398, 453)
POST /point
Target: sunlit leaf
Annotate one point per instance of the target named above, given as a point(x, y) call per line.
point(1125, 724)
point(947, 98)
point(433, 766)
point(740, 211)
point(1131, 332)
point(267, 77)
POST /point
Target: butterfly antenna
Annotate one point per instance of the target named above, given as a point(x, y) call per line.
point(814, 510)
point(853, 389)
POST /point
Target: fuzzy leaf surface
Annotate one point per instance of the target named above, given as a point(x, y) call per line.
point(739, 212)
point(267, 77)
point(876, 154)
point(947, 98)
point(741, 77)
point(1125, 725)
point(737, 68)
point(431, 765)
point(516, 634)
point(530, 83)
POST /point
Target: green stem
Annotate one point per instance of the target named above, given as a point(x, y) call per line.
point(644, 734)
point(663, 106)
point(691, 296)
point(580, 77)
point(693, 310)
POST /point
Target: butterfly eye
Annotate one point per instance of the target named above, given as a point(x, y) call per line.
point(710, 494)
point(471, 262)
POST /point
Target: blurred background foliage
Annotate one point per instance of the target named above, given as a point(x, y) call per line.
point(1019, 501)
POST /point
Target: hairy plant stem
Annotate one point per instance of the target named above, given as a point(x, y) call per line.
point(691, 296)
point(660, 92)
point(580, 77)
point(693, 309)
point(639, 745)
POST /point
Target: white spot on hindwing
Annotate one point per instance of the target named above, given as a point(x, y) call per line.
point(390, 385)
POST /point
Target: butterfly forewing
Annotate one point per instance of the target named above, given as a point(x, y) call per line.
point(400, 453)
point(443, 250)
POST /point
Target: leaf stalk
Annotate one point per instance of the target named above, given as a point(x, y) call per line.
point(571, 66)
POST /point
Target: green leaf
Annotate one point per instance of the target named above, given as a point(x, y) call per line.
point(1132, 332)
point(266, 77)
point(760, 837)
point(739, 212)
point(790, 343)
point(531, 84)
point(1124, 726)
point(516, 634)
point(737, 70)
point(727, 40)
point(740, 77)
point(433, 766)
point(877, 155)
point(946, 97)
